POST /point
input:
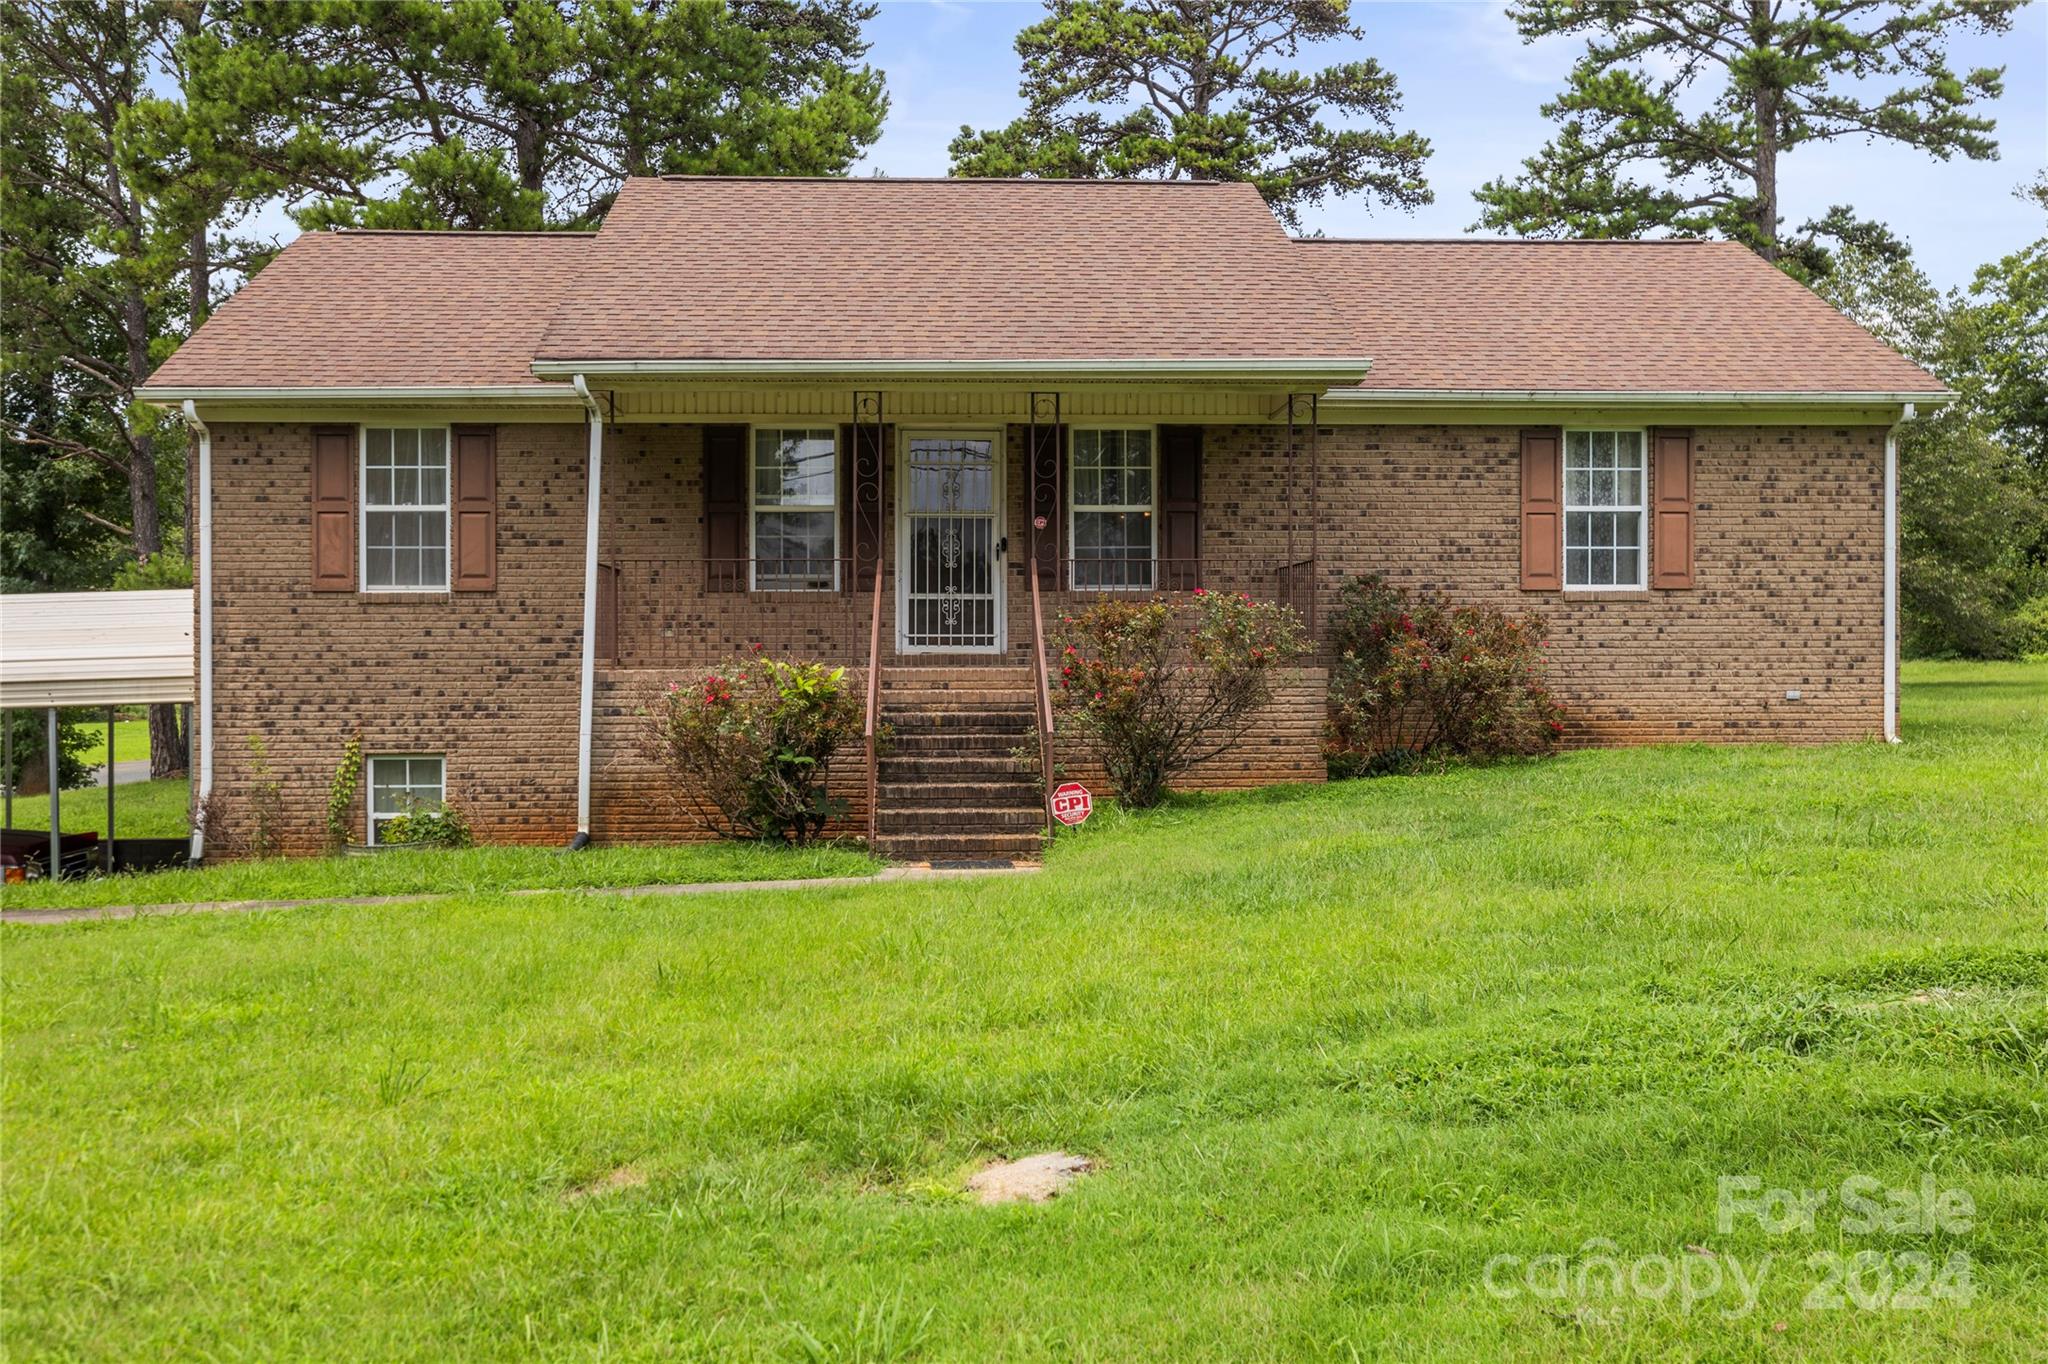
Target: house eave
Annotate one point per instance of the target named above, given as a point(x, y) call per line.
point(542, 394)
point(1570, 397)
point(1301, 369)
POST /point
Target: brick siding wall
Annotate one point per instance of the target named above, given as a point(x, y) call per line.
point(1788, 595)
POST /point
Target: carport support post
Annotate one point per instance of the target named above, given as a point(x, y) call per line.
point(110, 790)
point(56, 838)
point(7, 765)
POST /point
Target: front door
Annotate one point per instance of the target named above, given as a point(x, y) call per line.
point(950, 577)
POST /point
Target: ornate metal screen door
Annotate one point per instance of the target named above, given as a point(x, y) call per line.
point(952, 552)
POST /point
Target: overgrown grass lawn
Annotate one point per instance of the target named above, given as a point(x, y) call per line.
point(1336, 1052)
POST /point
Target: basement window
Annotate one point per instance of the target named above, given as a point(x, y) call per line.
point(405, 509)
point(403, 785)
point(1604, 520)
point(1113, 525)
point(795, 510)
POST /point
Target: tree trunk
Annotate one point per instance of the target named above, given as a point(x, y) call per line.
point(1769, 99)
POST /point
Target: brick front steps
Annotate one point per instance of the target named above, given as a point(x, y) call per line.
point(952, 785)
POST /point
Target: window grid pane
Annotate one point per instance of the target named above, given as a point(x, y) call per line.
point(1113, 507)
point(405, 508)
point(399, 785)
point(1604, 523)
point(794, 549)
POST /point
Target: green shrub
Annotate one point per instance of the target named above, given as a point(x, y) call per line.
point(441, 826)
point(754, 740)
point(1420, 679)
point(2029, 627)
point(1156, 685)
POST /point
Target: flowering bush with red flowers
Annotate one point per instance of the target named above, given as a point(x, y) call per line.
point(753, 741)
point(1421, 679)
point(1155, 686)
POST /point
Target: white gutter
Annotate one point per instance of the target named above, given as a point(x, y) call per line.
point(203, 580)
point(1620, 397)
point(555, 393)
point(590, 535)
point(1323, 367)
point(1891, 575)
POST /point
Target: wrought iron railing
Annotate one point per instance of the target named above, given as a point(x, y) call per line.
point(874, 705)
point(1044, 700)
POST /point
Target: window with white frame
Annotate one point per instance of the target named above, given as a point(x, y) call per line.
point(404, 785)
point(1113, 524)
point(405, 508)
point(795, 509)
point(1604, 519)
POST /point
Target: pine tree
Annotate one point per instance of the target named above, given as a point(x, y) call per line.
point(1639, 152)
point(1181, 89)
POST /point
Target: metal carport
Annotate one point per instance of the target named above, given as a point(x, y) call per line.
point(63, 649)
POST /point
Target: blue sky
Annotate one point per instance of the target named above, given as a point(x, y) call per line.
point(1472, 88)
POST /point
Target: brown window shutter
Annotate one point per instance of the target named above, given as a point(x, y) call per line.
point(1049, 475)
point(725, 509)
point(860, 504)
point(1180, 507)
point(475, 509)
point(334, 509)
point(1671, 509)
point(1542, 510)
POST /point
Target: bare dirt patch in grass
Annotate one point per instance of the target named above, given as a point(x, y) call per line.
point(610, 1182)
point(1034, 1179)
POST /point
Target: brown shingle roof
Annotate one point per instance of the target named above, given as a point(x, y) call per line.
point(1678, 317)
point(712, 269)
point(845, 269)
point(375, 309)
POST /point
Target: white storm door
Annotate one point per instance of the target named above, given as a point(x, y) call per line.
point(950, 569)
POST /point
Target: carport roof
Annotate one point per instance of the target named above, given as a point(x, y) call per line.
point(95, 648)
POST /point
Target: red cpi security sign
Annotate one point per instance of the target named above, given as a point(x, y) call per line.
point(1071, 803)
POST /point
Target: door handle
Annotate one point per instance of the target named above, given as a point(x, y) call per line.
point(1003, 545)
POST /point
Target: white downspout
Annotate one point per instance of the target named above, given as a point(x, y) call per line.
point(203, 581)
point(590, 537)
point(1891, 575)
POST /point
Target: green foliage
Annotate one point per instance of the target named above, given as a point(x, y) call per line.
point(341, 794)
point(165, 569)
point(29, 732)
point(1180, 91)
point(1973, 518)
point(1677, 115)
point(754, 742)
point(1156, 685)
point(527, 114)
point(1420, 679)
point(443, 826)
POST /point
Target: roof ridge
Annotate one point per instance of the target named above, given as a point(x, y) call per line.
point(937, 180)
point(1512, 241)
point(453, 232)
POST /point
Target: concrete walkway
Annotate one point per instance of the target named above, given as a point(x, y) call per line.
point(68, 916)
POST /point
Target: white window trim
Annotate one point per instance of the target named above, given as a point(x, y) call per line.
point(1073, 508)
point(370, 762)
point(754, 509)
point(447, 508)
point(1642, 508)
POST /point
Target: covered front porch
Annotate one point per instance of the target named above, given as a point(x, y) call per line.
point(913, 526)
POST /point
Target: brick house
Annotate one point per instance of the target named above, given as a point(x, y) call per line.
point(474, 496)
